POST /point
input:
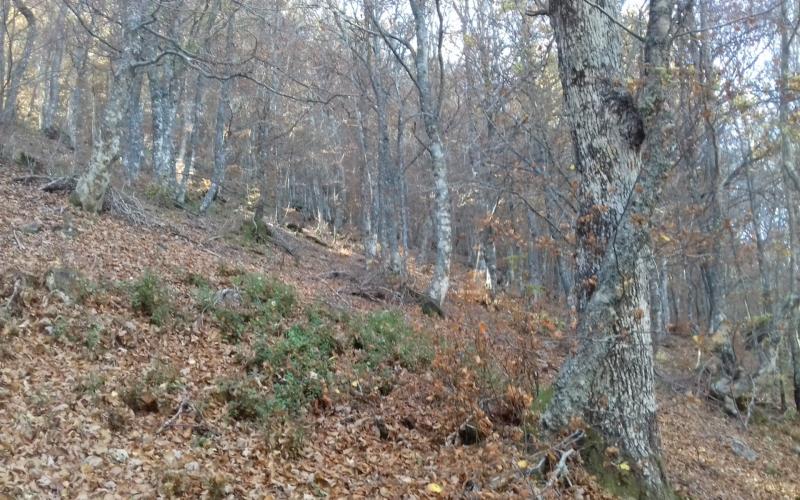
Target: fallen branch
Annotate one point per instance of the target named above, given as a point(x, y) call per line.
point(560, 469)
point(186, 407)
point(315, 239)
point(16, 239)
point(14, 295)
point(32, 179)
point(61, 184)
point(129, 208)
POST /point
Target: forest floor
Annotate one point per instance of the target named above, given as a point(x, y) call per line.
point(134, 362)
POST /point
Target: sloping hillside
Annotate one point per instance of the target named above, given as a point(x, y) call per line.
point(179, 358)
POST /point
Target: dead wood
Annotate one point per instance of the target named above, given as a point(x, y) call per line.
point(61, 184)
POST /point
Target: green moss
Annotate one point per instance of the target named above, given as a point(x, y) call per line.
point(542, 400)
point(617, 476)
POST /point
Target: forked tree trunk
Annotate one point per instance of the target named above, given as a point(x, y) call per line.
point(93, 184)
point(609, 382)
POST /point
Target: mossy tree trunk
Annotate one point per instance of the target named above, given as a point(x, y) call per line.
point(93, 184)
point(619, 151)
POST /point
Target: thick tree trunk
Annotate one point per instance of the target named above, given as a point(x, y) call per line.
point(19, 68)
point(93, 184)
point(791, 191)
point(367, 193)
point(609, 382)
point(163, 85)
point(193, 121)
point(133, 151)
point(430, 116)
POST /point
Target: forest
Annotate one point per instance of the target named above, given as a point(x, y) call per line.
point(399, 249)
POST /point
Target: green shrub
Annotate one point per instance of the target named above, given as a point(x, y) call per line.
point(150, 297)
point(293, 371)
point(148, 393)
point(196, 280)
point(91, 384)
point(299, 365)
point(94, 336)
point(268, 295)
point(161, 196)
point(264, 302)
point(245, 402)
point(385, 337)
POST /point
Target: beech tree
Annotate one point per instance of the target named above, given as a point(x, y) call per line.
point(437, 134)
point(609, 382)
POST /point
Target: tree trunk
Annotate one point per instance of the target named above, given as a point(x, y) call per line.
point(430, 116)
point(93, 184)
point(163, 87)
point(3, 20)
point(53, 78)
point(76, 105)
point(367, 192)
point(386, 170)
point(133, 152)
point(220, 136)
point(609, 381)
point(18, 70)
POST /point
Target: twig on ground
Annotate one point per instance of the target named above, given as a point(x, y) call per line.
point(186, 407)
point(14, 294)
point(16, 239)
point(559, 470)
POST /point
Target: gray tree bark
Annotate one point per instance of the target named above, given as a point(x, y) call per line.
point(93, 184)
point(17, 73)
point(386, 169)
point(52, 98)
point(609, 382)
point(164, 91)
point(222, 119)
point(367, 192)
point(3, 20)
point(76, 105)
point(430, 116)
point(133, 151)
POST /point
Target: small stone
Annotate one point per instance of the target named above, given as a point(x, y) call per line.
point(135, 463)
point(797, 449)
point(93, 461)
point(110, 485)
point(118, 455)
point(32, 228)
point(192, 467)
point(741, 449)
